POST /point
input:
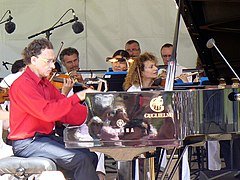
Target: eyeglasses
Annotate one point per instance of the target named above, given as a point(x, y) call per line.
point(48, 61)
point(166, 56)
point(132, 50)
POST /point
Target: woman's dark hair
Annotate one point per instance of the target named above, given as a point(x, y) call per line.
point(17, 66)
point(122, 53)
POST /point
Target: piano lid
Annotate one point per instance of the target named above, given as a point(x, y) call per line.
point(220, 20)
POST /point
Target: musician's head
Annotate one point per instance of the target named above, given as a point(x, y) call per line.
point(70, 59)
point(166, 52)
point(18, 66)
point(39, 57)
point(119, 61)
point(133, 48)
point(143, 70)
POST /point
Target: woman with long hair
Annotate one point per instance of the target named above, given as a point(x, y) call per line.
point(142, 73)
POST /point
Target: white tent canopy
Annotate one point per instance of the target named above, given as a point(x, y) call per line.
point(108, 25)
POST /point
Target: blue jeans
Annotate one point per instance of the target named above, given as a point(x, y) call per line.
point(81, 162)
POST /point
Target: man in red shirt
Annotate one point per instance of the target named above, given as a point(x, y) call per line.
point(36, 105)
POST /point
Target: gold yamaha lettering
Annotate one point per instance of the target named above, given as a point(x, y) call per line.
point(158, 115)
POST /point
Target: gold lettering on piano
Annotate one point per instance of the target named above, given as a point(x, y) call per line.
point(156, 104)
point(158, 115)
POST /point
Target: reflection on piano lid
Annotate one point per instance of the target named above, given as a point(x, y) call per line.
point(157, 118)
point(206, 19)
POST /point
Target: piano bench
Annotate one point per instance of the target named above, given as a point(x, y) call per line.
point(21, 167)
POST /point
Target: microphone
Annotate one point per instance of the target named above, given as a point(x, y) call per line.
point(234, 96)
point(210, 44)
point(10, 26)
point(5, 64)
point(77, 26)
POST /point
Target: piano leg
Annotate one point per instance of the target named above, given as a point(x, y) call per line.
point(124, 170)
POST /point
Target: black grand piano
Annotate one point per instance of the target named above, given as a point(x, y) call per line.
point(220, 20)
point(149, 119)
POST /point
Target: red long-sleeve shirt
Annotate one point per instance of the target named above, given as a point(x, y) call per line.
point(35, 104)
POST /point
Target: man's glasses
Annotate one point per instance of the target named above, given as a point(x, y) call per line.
point(48, 61)
point(132, 50)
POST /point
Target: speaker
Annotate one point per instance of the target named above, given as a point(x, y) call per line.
point(219, 175)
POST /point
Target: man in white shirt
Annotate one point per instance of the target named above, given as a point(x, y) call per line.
point(166, 53)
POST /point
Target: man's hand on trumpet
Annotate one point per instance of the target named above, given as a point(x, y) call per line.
point(183, 77)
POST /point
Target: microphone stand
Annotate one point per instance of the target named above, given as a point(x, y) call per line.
point(48, 31)
point(210, 44)
point(8, 19)
point(171, 70)
point(5, 64)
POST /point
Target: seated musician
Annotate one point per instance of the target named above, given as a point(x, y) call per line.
point(133, 48)
point(142, 74)
point(70, 60)
point(119, 61)
point(36, 104)
point(5, 149)
point(166, 52)
point(17, 69)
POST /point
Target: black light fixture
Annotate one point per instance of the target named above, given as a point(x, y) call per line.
point(9, 25)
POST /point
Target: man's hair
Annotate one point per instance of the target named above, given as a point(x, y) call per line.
point(35, 48)
point(68, 51)
point(167, 45)
point(17, 66)
point(132, 41)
